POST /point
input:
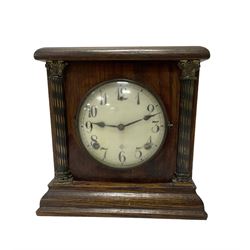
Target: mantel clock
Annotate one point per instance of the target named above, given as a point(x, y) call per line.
point(123, 122)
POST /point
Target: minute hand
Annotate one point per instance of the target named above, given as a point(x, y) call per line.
point(147, 117)
point(130, 123)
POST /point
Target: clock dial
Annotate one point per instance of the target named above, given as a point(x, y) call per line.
point(121, 124)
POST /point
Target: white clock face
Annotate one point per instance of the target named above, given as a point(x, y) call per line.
point(121, 124)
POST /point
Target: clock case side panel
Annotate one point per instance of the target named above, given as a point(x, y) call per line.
point(161, 77)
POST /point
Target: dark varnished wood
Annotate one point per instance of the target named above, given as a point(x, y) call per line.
point(122, 53)
point(162, 78)
point(151, 190)
point(161, 200)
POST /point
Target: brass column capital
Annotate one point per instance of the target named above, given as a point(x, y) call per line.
point(189, 69)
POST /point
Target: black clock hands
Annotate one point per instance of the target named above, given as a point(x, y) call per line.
point(122, 126)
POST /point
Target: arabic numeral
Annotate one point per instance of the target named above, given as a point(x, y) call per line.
point(122, 157)
point(138, 98)
point(105, 153)
point(94, 143)
point(121, 94)
point(88, 126)
point(92, 111)
point(150, 108)
point(138, 153)
point(104, 98)
point(156, 127)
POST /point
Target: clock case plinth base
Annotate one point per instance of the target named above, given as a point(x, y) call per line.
point(155, 200)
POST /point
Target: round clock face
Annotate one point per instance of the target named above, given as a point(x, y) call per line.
point(121, 124)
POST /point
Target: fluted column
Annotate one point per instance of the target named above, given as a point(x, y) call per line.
point(55, 72)
point(189, 69)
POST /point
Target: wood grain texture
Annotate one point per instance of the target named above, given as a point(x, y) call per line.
point(160, 77)
point(122, 53)
point(160, 200)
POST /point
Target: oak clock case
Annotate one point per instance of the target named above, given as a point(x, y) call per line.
point(123, 123)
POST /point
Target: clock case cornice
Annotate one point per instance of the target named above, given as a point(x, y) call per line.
point(157, 53)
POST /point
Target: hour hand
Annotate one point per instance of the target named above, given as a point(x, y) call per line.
point(102, 124)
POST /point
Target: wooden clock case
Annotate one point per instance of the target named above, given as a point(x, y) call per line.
point(161, 188)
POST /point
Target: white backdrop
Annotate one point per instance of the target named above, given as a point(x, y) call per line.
point(221, 160)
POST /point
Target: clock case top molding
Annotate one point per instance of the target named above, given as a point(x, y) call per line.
point(159, 192)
